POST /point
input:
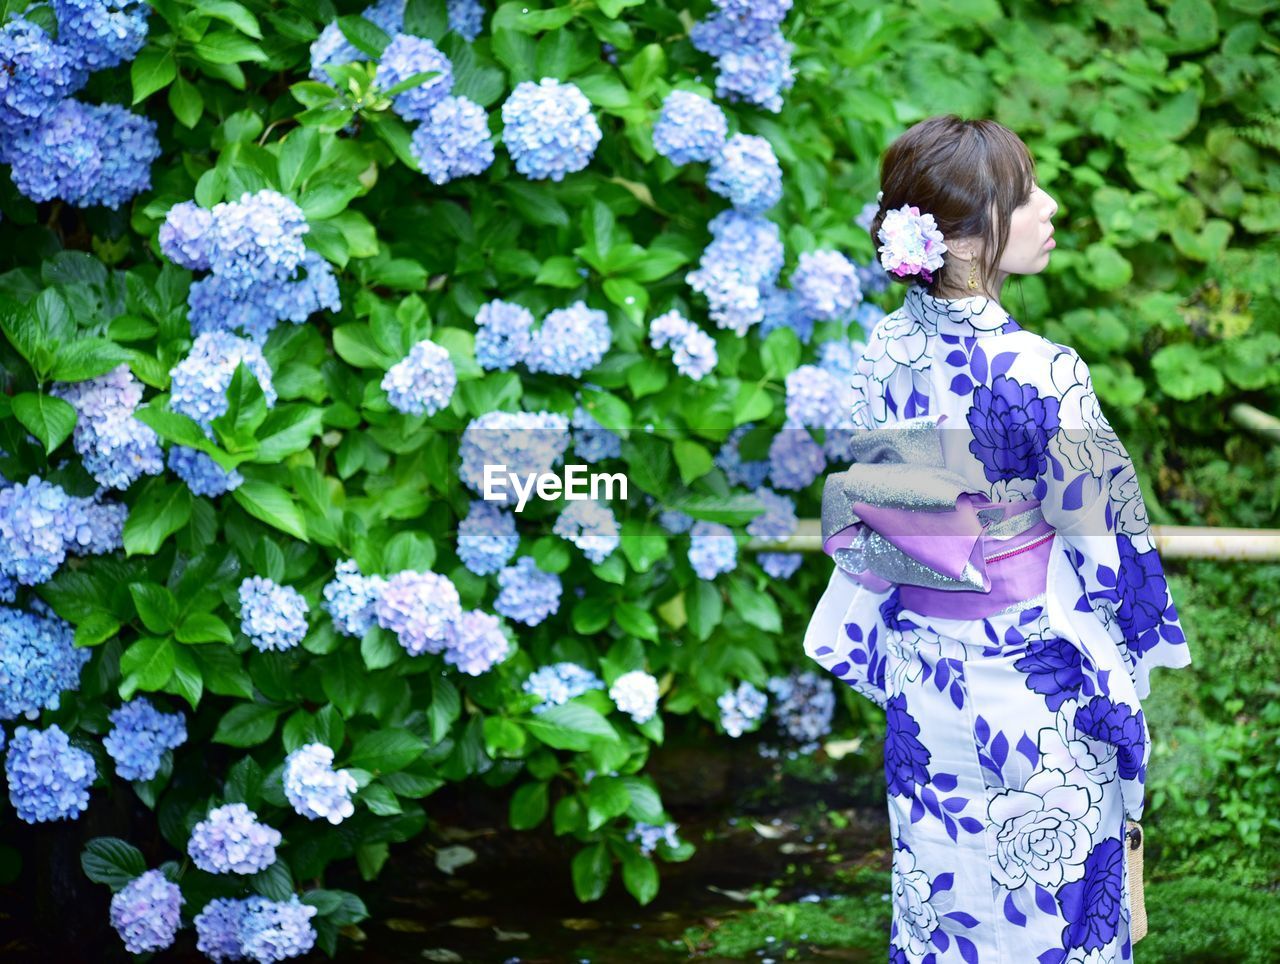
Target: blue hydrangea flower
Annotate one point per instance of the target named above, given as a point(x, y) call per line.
point(779, 518)
point(780, 565)
point(636, 693)
point(741, 707)
point(453, 140)
point(421, 609)
point(647, 835)
point(746, 172)
point(102, 33)
point(739, 24)
point(713, 549)
point(570, 340)
point(128, 146)
point(185, 234)
point(487, 537)
point(350, 599)
point(219, 304)
point(422, 382)
point(840, 358)
point(689, 128)
point(257, 238)
point(827, 283)
point(816, 397)
point(146, 912)
point(804, 705)
point(869, 313)
point(478, 643)
point(591, 440)
point(526, 593)
point(139, 736)
point(314, 788)
point(98, 526)
point(115, 448)
point(758, 74)
point(333, 48)
point(675, 521)
point(693, 350)
point(549, 129)
point(218, 929)
point(504, 331)
point(272, 930)
point(560, 682)
point(522, 441)
point(740, 472)
point(744, 257)
point(48, 777)
point(271, 615)
point(202, 474)
point(405, 56)
point(58, 155)
point(35, 73)
point(39, 660)
point(466, 17)
point(231, 840)
point(199, 382)
point(795, 459)
point(783, 308)
point(8, 588)
point(37, 521)
point(591, 526)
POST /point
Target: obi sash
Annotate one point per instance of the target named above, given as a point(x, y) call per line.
point(899, 516)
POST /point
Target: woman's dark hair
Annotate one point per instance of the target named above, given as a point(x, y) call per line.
point(958, 171)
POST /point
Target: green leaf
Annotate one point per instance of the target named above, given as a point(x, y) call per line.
point(161, 510)
point(385, 751)
point(364, 35)
point(146, 665)
point(780, 352)
point(95, 628)
point(156, 605)
point(380, 800)
point(203, 628)
point(635, 620)
point(275, 882)
point(755, 607)
point(639, 876)
point(87, 358)
point(288, 429)
point(528, 805)
point(48, 418)
point(298, 158)
point(705, 609)
point(591, 869)
point(186, 101)
point(379, 648)
point(693, 459)
point(273, 505)
point(153, 69)
point(225, 47)
point(1183, 373)
point(112, 861)
point(231, 13)
point(607, 797)
point(247, 724)
point(187, 680)
point(570, 726)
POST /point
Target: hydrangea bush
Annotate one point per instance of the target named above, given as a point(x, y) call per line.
point(277, 282)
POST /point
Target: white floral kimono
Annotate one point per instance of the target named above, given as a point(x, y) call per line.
point(1016, 744)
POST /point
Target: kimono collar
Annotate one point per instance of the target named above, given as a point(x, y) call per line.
point(973, 316)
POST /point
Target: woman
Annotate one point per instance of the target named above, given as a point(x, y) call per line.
point(997, 591)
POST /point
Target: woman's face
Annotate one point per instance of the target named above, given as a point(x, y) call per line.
point(1030, 236)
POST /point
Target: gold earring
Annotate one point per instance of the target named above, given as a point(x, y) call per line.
point(973, 275)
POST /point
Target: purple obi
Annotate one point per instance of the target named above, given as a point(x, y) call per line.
point(899, 516)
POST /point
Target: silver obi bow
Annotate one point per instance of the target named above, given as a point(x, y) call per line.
point(900, 514)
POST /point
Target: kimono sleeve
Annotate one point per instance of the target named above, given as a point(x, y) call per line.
point(1089, 493)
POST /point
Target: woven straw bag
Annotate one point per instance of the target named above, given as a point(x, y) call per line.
point(1137, 908)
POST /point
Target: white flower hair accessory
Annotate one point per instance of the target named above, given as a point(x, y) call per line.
point(910, 243)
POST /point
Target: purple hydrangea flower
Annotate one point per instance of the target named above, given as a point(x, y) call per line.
point(421, 609)
point(272, 930)
point(804, 704)
point(487, 537)
point(271, 615)
point(738, 471)
point(713, 549)
point(218, 929)
point(146, 912)
point(522, 441)
point(314, 788)
point(560, 682)
point(103, 33)
point(405, 56)
point(780, 565)
point(570, 340)
point(689, 128)
point(746, 171)
point(827, 283)
point(48, 777)
point(185, 234)
point(453, 140)
point(779, 518)
point(422, 382)
point(526, 593)
point(39, 660)
point(202, 474)
point(549, 129)
point(115, 448)
point(351, 599)
point(816, 397)
point(199, 382)
point(795, 459)
point(504, 331)
point(139, 736)
point(478, 643)
point(589, 525)
point(231, 840)
point(37, 521)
